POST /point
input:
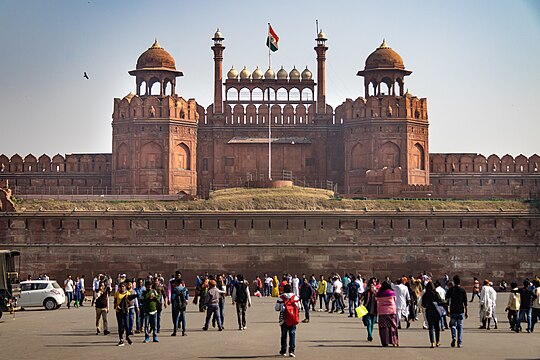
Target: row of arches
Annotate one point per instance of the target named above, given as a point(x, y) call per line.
point(155, 86)
point(276, 114)
point(388, 155)
point(270, 94)
point(84, 163)
point(476, 163)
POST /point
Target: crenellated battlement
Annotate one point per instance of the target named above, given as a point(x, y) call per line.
point(479, 164)
point(171, 107)
point(70, 164)
point(384, 106)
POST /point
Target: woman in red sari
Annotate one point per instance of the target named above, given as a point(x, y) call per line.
point(386, 309)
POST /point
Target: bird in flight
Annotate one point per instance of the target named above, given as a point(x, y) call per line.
point(85, 75)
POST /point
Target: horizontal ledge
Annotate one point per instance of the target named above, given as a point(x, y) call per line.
point(288, 245)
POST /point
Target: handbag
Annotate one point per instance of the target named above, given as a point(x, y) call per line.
point(440, 309)
point(361, 311)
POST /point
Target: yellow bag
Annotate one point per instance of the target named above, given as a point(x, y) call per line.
point(361, 311)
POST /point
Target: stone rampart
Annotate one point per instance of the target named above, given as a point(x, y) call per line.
point(493, 245)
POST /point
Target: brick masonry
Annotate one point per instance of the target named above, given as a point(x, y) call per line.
point(492, 245)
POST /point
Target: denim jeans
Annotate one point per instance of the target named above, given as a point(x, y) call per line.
point(353, 304)
point(522, 314)
point(241, 314)
point(305, 303)
point(329, 297)
point(69, 296)
point(177, 317)
point(370, 322)
point(456, 323)
point(435, 330)
point(131, 320)
point(212, 310)
point(291, 331)
point(122, 320)
point(150, 323)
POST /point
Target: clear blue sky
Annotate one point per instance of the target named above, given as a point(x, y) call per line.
point(477, 62)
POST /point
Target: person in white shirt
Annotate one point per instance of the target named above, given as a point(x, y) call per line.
point(338, 295)
point(403, 298)
point(69, 288)
point(268, 286)
point(296, 285)
point(95, 288)
point(442, 293)
point(488, 302)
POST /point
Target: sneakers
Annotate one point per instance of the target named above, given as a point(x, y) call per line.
point(453, 343)
point(305, 320)
point(292, 355)
point(244, 327)
point(97, 332)
point(173, 334)
point(120, 343)
point(282, 353)
point(106, 332)
point(205, 328)
point(129, 341)
point(156, 339)
point(146, 340)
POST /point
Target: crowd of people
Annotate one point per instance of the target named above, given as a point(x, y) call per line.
point(438, 304)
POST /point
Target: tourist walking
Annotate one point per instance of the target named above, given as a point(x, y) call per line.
point(403, 300)
point(306, 294)
point(386, 309)
point(525, 308)
point(212, 305)
point(442, 294)
point(121, 305)
point(433, 305)
point(69, 287)
point(514, 303)
point(95, 287)
point(151, 300)
point(457, 298)
point(139, 290)
point(368, 300)
point(352, 291)
point(242, 299)
point(536, 303)
point(179, 301)
point(275, 286)
point(488, 303)
point(133, 306)
point(288, 306)
point(102, 309)
point(321, 292)
point(476, 289)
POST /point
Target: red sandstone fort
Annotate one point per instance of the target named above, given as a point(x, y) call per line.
point(374, 146)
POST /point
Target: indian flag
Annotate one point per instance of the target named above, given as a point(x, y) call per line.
point(272, 40)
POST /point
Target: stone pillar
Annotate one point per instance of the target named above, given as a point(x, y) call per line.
point(321, 72)
point(218, 72)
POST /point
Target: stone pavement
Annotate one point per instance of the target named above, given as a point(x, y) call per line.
point(63, 333)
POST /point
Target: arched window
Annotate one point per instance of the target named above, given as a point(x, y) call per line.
point(232, 94)
point(257, 94)
point(184, 158)
point(390, 155)
point(307, 95)
point(245, 94)
point(282, 95)
point(359, 157)
point(417, 157)
point(294, 95)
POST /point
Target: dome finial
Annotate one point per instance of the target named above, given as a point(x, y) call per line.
point(384, 45)
point(156, 44)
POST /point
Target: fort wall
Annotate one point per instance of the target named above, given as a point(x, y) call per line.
point(493, 245)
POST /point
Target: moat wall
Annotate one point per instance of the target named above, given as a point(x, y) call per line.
point(486, 245)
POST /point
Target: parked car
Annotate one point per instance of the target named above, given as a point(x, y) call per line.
point(46, 293)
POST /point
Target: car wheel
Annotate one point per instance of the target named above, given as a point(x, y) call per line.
point(49, 304)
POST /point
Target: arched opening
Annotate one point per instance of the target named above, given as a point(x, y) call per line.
point(184, 158)
point(270, 95)
point(359, 157)
point(245, 94)
point(307, 95)
point(155, 88)
point(282, 95)
point(417, 157)
point(142, 88)
point(122, 157)
point(151, 156)
point(257, 94)
point(232, 94)
point(389, 155)
point(294, 95)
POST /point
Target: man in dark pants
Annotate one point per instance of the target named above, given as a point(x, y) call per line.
point(242, 299)
point(287, 299)
point(457, 296)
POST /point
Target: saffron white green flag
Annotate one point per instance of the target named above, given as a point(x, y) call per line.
point(272, 40)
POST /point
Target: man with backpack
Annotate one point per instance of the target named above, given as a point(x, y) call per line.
point(242, 299)
point(289, 317)
point(352, 291)
point(179, 300)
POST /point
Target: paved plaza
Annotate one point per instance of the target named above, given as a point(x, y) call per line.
point(63, 333)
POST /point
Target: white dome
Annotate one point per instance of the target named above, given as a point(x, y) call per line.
point(306, 74)
point(282, 74)
point(232, 74)
point(294, 74)
point(244, 74)
point(269, 74)
point(257, 74)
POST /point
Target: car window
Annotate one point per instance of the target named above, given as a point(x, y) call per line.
point(26, 287)
point(55, 285)
point(41, 286)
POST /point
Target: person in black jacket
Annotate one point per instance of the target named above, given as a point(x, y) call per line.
point(306, 293)
point(432, 302)
point(525, 308)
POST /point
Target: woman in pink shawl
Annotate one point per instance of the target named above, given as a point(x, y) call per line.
point(386, 309)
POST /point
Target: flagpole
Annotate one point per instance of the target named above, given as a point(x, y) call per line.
point(269, 117)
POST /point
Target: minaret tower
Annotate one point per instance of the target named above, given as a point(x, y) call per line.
point(218, 49)
point(321, 72)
